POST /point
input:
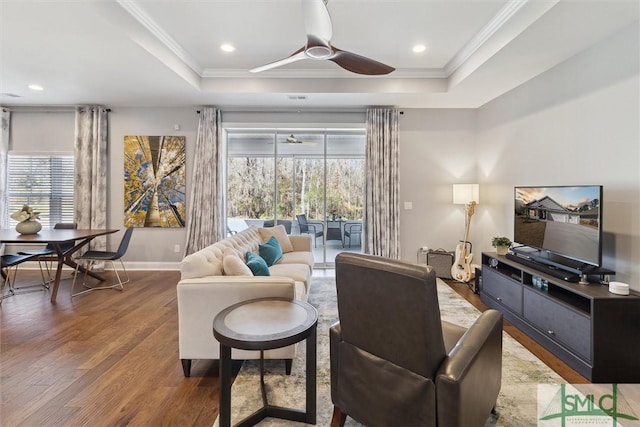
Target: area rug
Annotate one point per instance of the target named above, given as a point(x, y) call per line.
point(521, 372)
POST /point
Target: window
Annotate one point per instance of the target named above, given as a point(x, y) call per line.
point(43, 181)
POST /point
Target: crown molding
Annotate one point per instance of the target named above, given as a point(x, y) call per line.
point(337, 73)
point(460, 59)
point(503, 16)
point(132, 7)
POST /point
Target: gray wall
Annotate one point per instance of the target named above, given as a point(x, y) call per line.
point(437, 149)
point(575, 124)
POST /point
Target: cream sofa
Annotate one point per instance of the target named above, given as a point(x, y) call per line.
point(204, 290)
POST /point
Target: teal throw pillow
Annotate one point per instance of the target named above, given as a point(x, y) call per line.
point(257, 265)
point(270, 251)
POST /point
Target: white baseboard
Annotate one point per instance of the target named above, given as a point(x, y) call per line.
point(132, 266)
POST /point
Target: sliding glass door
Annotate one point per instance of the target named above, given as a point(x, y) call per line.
point(308, 180)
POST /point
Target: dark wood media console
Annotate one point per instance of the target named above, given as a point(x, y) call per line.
point(595, 332)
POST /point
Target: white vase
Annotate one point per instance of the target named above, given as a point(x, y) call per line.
point(28, 227)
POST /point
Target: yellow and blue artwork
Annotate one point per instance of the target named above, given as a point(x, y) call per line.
point(154, 181)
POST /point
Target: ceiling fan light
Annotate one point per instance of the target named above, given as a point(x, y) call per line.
point(318, 52)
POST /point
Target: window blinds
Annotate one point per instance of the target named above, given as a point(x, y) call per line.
point(43, 181)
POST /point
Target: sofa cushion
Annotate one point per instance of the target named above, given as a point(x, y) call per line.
point(257, 265)
point(298, 258)
point(297, 272)
point(280, 233)
point(270, 251)
point(233, 265)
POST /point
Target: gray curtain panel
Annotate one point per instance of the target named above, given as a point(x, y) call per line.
point(91, 166)
point(205, 222)
point(4, 151)
point(382, 184)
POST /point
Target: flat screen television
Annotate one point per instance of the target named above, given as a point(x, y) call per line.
point(563, 224)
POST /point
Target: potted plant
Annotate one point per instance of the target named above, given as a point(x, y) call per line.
point(501, 244)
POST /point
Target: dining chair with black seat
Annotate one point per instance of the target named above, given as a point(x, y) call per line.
point(48, 253)
point(352, 229)
point(314, 228)
point(9, 262)
point(92, 257)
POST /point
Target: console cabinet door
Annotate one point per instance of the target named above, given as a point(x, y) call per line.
point(503, 289)
point(569, 327)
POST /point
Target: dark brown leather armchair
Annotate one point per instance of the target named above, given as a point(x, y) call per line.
point(394, 362)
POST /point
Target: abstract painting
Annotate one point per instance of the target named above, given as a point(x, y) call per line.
point(154, 181)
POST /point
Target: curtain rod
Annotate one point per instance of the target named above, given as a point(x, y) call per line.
point(290, 110)
point(43, 109)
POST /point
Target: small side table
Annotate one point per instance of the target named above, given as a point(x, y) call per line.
point(265, 324)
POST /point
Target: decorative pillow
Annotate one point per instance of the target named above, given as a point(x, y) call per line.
point(280, 233)
point(232, 265)
point(271, 251)
point(257, 265)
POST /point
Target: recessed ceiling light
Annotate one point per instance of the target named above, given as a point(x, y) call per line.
point(35, 87)
point(419, 48)
point(227, 47)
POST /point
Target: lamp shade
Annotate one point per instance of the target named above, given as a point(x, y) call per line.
point(465, 193)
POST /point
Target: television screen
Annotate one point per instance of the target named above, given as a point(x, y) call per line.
point(566, 221)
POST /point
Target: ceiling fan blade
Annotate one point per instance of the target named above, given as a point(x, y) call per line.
point(317, 21)
point(359, 64)
point(295, 56)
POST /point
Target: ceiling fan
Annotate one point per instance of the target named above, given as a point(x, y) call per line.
point(319, 30)
point(291, 139)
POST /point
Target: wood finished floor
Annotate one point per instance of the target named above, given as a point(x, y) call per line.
point(110, 358)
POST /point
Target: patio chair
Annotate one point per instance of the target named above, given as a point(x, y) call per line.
point(270, 223)
point(352, 229)
point(315, 228)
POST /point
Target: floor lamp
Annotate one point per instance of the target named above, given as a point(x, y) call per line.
point(469, 196)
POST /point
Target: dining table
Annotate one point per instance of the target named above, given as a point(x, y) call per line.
point(57, 237)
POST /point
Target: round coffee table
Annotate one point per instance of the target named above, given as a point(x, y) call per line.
point(265, 324)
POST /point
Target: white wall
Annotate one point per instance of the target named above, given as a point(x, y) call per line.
point(575, 124)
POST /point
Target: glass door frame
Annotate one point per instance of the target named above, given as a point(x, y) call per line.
point(279, 132)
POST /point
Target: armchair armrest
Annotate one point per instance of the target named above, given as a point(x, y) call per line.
point(474, 364)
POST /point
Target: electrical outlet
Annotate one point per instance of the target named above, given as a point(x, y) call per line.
point(176, 248)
